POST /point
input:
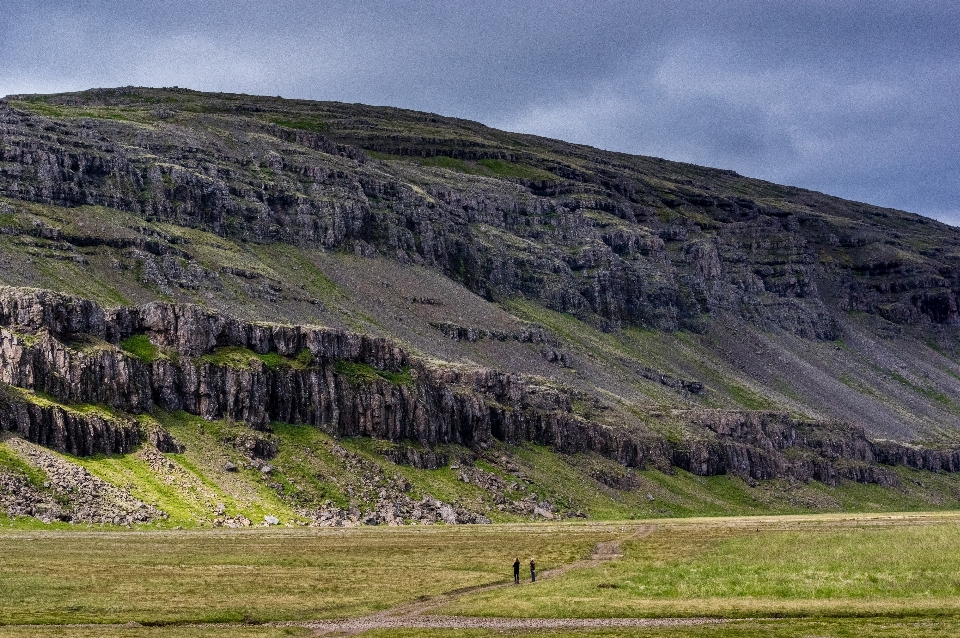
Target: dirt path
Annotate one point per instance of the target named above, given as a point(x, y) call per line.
point(607, 550)
point(353, 627)
point(414, 615)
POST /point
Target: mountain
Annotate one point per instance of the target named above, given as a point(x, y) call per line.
point(179, 262)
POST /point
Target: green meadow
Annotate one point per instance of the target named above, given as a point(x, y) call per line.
point(794, 567)
point(819, 575)
point(259, 575)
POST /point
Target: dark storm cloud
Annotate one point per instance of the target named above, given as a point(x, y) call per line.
point(858, 99)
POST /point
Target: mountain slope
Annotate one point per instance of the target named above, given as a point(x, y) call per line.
point(665, 301)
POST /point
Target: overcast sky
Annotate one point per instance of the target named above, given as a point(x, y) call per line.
point(856, 99)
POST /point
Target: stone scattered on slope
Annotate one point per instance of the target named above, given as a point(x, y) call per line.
point(19, 497)
point(378, 498)
point(81, 497)
point(165, 442)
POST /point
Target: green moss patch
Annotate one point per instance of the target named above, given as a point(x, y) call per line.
point(141, 347)
point(450, 163)
point(365, 374)
point(244, 359)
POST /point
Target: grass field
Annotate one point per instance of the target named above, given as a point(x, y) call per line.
point(258, 575)
point(827, 575)
point(818, 628)
point(879, 566)
point(738, 629)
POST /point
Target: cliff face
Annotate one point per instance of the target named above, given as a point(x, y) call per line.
point(614, 239)
point(485, 286)
point(67, 431)
point(216, 367)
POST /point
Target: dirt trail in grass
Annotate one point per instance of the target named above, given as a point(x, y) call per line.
point(360, 625)
point(607, 550)
point(414, 615)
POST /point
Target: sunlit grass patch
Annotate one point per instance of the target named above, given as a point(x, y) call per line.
point(141, 347)
point(365, 374)
point(243, 359)
point(11, 462)
point(307, 123)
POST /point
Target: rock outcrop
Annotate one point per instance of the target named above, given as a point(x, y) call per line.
point(348, 384)
point(610, 238)
point(66, 430)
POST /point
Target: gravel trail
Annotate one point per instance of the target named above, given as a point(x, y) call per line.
point(414, 615)
point(352, 627)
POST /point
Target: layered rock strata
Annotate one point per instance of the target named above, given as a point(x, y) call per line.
point(608, 237)
point(347, 384)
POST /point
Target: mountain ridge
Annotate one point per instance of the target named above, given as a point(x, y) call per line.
point(642, 289)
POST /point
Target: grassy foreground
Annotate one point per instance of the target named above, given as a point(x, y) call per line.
point(893, 566)
point(739, 629)
point(828, 575)
point(814, 628)
point(259, 575)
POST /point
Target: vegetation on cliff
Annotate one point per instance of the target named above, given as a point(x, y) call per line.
point(477, 287)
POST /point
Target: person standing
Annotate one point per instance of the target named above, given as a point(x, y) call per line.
point(533, 571)
point(516, 571)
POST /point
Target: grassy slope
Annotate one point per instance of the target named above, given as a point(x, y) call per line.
point(191, 487)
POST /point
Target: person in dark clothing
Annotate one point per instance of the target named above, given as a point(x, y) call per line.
point(516, 571)
point(533, 571)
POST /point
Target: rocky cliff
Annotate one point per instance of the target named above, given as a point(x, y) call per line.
point(610, 238)
point(77, 375)
point(167, 252)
